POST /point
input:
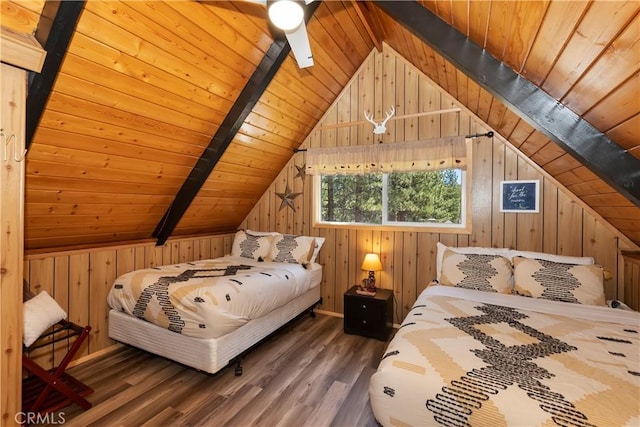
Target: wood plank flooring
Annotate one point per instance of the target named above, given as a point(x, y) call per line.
point(308, 374)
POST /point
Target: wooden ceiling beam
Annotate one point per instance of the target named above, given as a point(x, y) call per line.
point(249, 96)
point(370, 22)
point(575, 135)
point(56, 27)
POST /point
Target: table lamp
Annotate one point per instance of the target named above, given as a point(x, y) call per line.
point(371, 264)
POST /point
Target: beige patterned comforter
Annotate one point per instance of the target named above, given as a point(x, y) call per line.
point(208, 298)
point(464, 357)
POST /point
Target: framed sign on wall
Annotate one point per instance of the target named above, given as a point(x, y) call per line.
point(520, 196)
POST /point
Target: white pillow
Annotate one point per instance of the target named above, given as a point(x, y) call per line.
point(510, 254)
point(251, 246)
point(294, 249)
point(39, 314)
point(316, 249)
point(318, 244)
point(263, 233)
point(482, 272)
point(441, 248)
point(561, 259)
point(557, 281)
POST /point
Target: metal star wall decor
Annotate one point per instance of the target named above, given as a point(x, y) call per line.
point(287, 198)
point(302, 172)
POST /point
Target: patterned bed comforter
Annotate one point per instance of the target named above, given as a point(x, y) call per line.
point(209, 298)
point(464, 357)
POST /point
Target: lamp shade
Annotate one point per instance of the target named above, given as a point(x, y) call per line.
point(371, 263)
point(285, 14)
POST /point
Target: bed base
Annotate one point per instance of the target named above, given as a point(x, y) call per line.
point(209, 355)
point(238, 359)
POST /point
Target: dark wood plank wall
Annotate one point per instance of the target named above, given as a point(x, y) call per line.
point(564, 225)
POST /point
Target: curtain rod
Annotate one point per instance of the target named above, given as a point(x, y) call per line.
point(476, 135)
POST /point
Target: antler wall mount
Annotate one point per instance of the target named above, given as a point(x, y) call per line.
point(380, 128)
point(404, 116)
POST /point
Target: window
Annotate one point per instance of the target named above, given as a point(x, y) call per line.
point(423, 184)
point(429, 199)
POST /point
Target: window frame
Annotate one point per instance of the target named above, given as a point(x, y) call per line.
point(464, 228)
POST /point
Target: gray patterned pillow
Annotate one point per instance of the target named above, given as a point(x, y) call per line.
point(578, 284)
point(490, 273)
point(249, 246)
point(294, 249)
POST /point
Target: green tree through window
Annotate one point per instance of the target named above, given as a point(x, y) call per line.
point(352, 198)
point(432, 198)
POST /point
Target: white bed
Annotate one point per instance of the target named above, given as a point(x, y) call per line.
point(212, 354)
point(205, 314)
point(471, 353)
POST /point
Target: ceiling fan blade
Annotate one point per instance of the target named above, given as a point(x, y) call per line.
point(299, 42)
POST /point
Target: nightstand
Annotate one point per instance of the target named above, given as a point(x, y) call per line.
point(368, 316)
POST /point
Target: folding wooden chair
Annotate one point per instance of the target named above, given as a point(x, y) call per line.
point(45, 391)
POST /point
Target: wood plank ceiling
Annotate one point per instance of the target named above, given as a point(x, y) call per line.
point(145, 85)
point(584, 54)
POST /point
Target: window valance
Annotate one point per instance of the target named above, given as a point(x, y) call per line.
point(430, 155)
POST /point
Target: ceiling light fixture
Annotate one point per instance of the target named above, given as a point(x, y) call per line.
point(286, 14)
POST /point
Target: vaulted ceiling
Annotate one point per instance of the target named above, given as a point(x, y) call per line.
point(172, 118)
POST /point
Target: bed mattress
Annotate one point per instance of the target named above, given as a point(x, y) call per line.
point(465, 357)
point(210, 298)
point(212, 354)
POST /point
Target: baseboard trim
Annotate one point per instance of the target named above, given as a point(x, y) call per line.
point(98, 353)
point(330, 313)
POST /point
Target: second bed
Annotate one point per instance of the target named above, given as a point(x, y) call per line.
point(206, 313)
